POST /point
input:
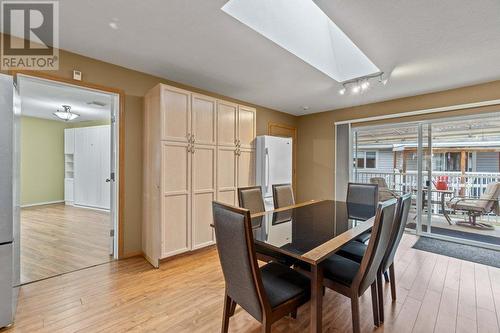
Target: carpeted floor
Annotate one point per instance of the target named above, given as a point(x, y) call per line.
point(465, 252)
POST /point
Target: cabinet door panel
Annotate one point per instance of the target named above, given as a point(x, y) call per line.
point(203, 119)
point(203, 193)
point(226, 168)
point(175, 168)
point(246, 126)
point(202, 218)
point(226, 123)
point(226, 175)
point(175, 175)
point(176, 114)
point(246, 168)
point(175, 232)
point(228, 197)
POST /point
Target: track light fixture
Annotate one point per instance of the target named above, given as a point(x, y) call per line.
point(362, 84)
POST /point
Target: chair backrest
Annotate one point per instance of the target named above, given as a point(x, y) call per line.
point(283, 195)
point(490, 196)
point(398, 228)
point(251, 198)
point(381, 233)
point(359, 197)
point(237, 258)
point(380, 181)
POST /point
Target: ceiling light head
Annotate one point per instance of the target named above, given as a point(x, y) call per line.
point(356, 88)
point(66, 115)
point(342, 91)
point(113, 25)
point(305, 108)
point(365, 84)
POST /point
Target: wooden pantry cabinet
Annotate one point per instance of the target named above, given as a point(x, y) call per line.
point(196, 149)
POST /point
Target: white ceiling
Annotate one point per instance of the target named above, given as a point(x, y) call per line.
point(40, 99)
point(425, 45)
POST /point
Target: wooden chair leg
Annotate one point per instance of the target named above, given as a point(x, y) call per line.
point(233, 308)
point(226, 313)
point(393, 281)
point(380, 291)
point(376, 320)
point(266, 326)
point(356, 326)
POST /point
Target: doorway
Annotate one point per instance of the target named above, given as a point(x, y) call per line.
point(68, 141)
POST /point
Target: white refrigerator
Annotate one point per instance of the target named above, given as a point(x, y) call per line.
point(274, 164)
point(9, 209)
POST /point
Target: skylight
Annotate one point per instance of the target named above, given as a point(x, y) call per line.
point(302, 28)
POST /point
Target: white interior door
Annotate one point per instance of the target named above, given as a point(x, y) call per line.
point(92, 166)
point(112, 176)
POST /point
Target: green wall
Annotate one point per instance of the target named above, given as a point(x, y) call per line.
point(42, 160)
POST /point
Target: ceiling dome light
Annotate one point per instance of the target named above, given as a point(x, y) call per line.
point(355, 89)
point(66, 115)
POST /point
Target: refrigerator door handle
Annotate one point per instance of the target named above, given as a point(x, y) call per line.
point(267, 170)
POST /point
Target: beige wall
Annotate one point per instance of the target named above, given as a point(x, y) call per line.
point(316, 140)
point(135, 85)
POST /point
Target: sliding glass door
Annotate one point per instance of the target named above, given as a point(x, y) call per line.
point(450, 166)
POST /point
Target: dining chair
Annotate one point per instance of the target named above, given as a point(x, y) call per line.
point(361, 200)
point(267, 293)
point(351, 278)
point(361, 196)
point(283, 195)
point(356, 251)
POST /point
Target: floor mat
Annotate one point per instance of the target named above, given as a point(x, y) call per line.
point(460, 251)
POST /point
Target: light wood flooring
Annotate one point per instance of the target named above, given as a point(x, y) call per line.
point(435, 294)
point(57, 239)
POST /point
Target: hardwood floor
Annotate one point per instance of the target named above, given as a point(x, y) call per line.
point(57, 239)
point(435, 294)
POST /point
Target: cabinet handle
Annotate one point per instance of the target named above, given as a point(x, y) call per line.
point(192, 150)
point(188, 137)
point(192, 138)
point(189, 148)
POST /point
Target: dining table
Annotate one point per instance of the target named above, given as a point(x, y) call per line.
point(310, 232)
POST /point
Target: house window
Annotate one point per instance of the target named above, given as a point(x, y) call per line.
point(366, 160)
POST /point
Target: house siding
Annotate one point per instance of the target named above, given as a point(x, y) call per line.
point(487, 162)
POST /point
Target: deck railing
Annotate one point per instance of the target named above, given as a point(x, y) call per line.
point(470, 184)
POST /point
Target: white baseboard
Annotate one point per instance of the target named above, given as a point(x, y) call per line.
point(42, 203)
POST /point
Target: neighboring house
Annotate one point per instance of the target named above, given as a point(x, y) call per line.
point(388, 160)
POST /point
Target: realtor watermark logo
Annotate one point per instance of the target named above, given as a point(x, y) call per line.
point(30, 39)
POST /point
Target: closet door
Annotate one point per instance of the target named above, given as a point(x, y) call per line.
point(175, 178)
point(175, 114)
point(203, 120)
point(246, 167)
point(246, 126)
point(86, 167)
point(203, 193)
point(226, 175)
point(227, 116)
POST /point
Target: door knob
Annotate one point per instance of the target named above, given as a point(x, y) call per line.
point(108, 180)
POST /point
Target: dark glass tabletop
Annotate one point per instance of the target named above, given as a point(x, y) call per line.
point(298, 230)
